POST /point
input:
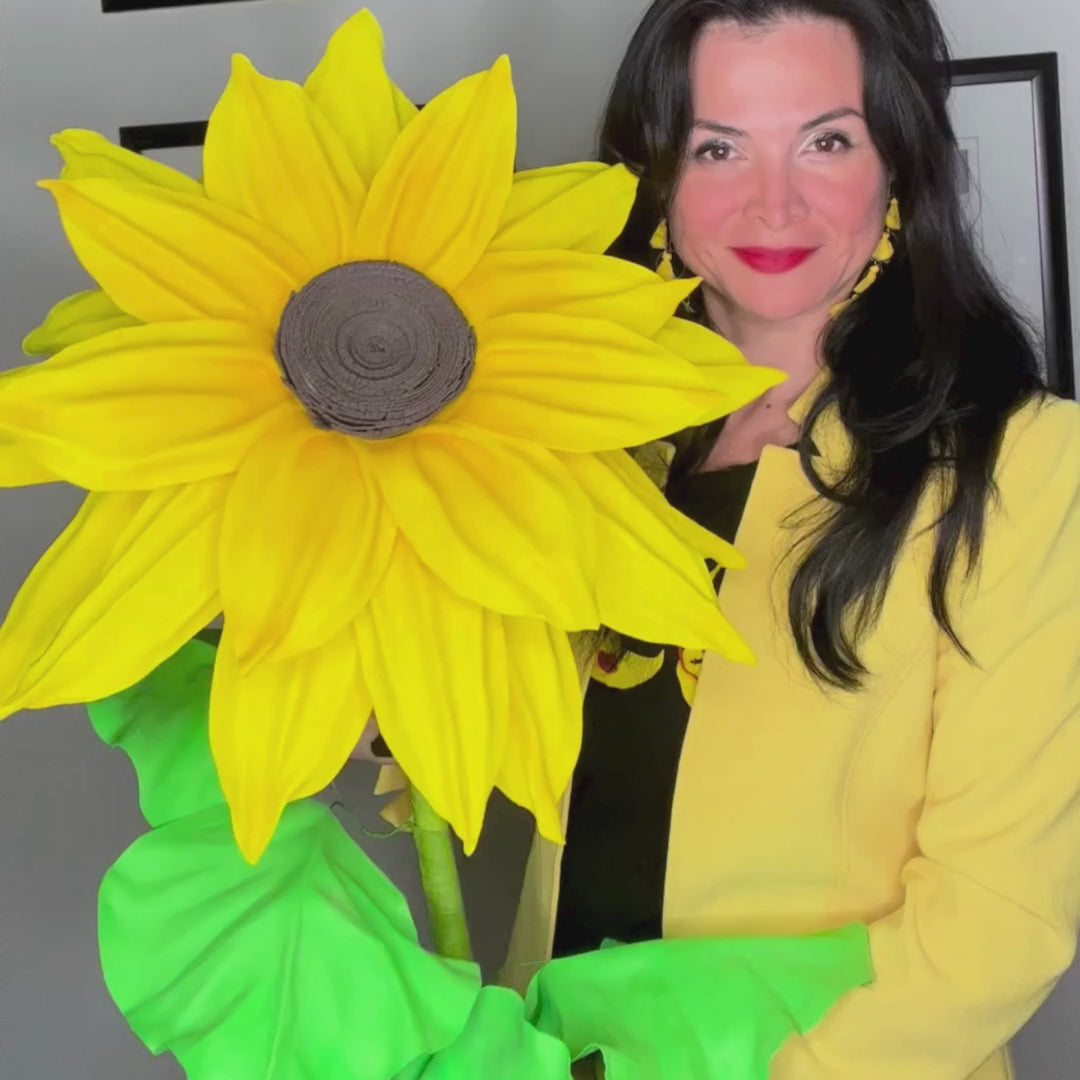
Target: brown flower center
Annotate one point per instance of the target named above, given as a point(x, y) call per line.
point(374, 349)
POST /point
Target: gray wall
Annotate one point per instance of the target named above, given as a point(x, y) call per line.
point(67, 806)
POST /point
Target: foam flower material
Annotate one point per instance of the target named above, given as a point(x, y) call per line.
point(307, 964)
point(364, 390)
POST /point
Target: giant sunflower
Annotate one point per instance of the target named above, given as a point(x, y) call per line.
point(363, 390)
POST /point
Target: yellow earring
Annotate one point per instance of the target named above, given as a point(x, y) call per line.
point(661, 242)
point(892, 218)
point(882, 255)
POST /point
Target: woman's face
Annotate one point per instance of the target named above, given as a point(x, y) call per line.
point(782, 196)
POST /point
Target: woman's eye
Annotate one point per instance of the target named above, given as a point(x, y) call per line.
point(832, 142)
point(714, 151)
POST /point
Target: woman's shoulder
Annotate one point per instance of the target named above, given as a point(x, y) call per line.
point(1040, 451)
point(1034, 516)
point(1046, 419)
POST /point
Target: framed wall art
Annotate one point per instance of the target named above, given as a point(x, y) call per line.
point(1006, 112)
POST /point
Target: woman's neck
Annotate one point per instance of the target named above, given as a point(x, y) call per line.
point(792, 346)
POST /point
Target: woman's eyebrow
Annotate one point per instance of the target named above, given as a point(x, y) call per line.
point(720, 129)
point(824, 118)
point(829, 117)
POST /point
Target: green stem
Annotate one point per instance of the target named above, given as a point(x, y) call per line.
point(439, 877)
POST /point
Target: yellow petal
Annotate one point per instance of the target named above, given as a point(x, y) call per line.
point(404, 107)
point(502, 523)
point(76, 318)
point(578, 384)
point(282, 731)
point(580, 207)
point(720, 363)
point(271, 154)
point(436, 667)
point(87, 154)
point(437, 201)
point(146, 406)
point(124, 586)
point(637, 481)
point(19, 467)
point(650, 585)
point(570, 283)
point(352, 89)
point(398, 812)
point(162, 255)
point(304, 543)
point(391, 779)
point(545, 710)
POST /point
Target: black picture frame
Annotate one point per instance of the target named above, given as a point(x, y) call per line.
point(175, 136)
point(111, 6)
point(143, 137)
point(1040, 71)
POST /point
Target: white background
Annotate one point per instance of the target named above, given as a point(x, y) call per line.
point(67, 806)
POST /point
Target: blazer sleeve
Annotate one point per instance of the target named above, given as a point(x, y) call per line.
point(992, 899)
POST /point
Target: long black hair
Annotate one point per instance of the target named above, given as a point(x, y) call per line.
point(924, 369)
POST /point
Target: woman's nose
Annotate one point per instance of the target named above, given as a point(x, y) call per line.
point(774, 199)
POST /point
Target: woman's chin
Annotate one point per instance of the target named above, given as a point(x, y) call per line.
point(777, 305)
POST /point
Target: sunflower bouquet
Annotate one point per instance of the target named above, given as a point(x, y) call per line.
point(364, 391)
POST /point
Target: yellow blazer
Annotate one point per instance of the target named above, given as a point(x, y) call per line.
point(940, 805)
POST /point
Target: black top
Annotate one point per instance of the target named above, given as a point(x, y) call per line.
point(615, 861)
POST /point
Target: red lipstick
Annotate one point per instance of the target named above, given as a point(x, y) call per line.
point(773, 260)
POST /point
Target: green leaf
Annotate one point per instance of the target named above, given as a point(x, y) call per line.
point(161, 724)
point(303, 967)
point(497, 1044)
point(696, 1008)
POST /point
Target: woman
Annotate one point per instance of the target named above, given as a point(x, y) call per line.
point(906, 752)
